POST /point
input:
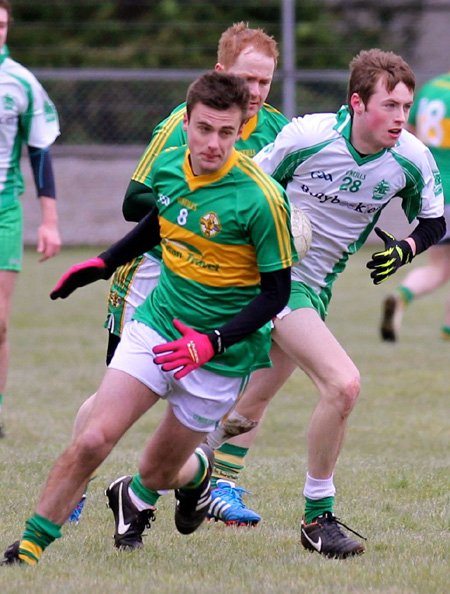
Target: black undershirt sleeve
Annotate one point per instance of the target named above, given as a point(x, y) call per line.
point(275, 291)
point(138, 201)
point(428, 232)
point(144, 236)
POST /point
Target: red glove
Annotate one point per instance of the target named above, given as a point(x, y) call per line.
point(190, 352)
point(80, 275)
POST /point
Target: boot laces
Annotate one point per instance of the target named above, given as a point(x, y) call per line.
point(332, 518)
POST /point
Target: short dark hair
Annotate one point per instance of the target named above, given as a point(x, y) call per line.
point(219, 90)
point(371, 65)
point(6, 4)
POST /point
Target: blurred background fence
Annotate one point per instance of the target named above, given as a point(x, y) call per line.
point(98, 107)
point(122, 107)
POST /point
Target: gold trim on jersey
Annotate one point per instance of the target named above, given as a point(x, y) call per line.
point(210, 263)
point(195, 182)
point(276, 202)
point(271, 109)
point(156, 146)
point(121, 274)
point(249, 127)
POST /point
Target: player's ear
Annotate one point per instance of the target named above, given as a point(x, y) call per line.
point(185, 121)
point(357, 103)
point(219, 67)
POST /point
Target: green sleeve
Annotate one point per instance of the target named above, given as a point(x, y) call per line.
point(138, 201)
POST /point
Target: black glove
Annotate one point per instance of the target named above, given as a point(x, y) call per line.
point(386, 263)
point(80, 275)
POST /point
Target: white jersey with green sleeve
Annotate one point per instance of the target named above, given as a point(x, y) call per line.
point(342, 192)
point(219, 231)
point(26, 116)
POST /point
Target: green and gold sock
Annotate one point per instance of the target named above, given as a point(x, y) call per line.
point(406, 295)
point(445, 332)
point(39, 534)
point(317, 507)
point(228, 463)
point(201, 472)
point(146, 495)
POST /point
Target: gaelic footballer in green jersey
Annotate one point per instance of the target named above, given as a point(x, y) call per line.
point(133, 281)
point(219, 231)
point(227, 251)
point(430, 116)
point(429, 119)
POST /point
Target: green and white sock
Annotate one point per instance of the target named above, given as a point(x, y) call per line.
point(319, 497)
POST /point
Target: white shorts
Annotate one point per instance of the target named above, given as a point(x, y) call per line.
point(199, 400)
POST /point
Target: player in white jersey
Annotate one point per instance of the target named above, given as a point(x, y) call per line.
point(26, 116)
point(342, 170)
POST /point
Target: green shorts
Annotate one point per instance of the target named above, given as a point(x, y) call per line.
point(130, 285)
point(303, 296)
point(11, 238)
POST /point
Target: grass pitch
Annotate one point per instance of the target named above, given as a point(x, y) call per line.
point(392, 476)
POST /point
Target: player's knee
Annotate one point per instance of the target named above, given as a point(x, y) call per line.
point(93, 445)
point(350, 393)
point(345, 391)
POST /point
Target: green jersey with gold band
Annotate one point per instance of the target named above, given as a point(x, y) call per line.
point(26, 116)
point(261, 129)
point(218, 232)
point(430, 115)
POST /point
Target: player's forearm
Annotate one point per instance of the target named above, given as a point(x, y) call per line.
point(138, 241)
point(427, 233)
point(275, 291)
point(41, 165)
point(49, 239)
point(49, 211)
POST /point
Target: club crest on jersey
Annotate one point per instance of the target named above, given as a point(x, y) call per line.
point(210, 225)
point(50, 111)
point(437, 182)
point(115, 300)
point(8, 102)
point(381, 189)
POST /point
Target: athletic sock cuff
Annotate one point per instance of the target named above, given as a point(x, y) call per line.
point(406, 295)
point(228, 448)
point(147, 495)
point(201, 472)
point(38, 535)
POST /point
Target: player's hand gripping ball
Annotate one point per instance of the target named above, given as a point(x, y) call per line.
point(301, 230)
